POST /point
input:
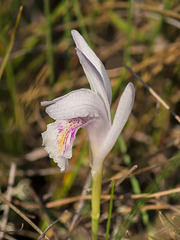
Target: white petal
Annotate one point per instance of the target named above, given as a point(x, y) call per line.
point(95, 80)
point(88, 52)
point(58, 139)
point(78, 103)
point(122, 114)
point(46, 103)
point(97, 130)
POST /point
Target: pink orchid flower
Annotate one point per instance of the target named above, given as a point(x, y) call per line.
point(88, 109)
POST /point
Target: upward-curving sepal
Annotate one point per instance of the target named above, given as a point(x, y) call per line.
point(95, 80)
point(78, 103)
point(88, 52)
point(122, 114)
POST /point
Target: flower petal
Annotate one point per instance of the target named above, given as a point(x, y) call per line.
point(95, 80)
point(78, 103)
point(88, 52)
point(58, 139)
point(122, 114)
point(97, 130)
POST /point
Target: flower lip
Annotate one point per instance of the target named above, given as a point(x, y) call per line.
point(67, 131)
point(58, 139)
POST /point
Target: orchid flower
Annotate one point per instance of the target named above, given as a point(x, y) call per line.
point(88, 109)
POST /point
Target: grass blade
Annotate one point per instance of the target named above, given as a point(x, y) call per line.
point(5, 60)
point(110, 211)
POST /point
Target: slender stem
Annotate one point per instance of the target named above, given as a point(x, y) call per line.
point(110, 210)
point(96, 197)
point(6, 57)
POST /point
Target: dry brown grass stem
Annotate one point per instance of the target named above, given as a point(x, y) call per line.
point(144, 7)
point(33, 91)
point(65, 201)
point(158, 58)
point(51, 225)
point(37, 91)
point(175, 209)
point(12, 174)
point(81, 202)
point(126, 175)
point(157, 97)
point(43, 211)
point(22, 215)
point(104, 8)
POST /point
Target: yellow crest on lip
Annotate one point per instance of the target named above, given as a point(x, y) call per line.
point(66, 132)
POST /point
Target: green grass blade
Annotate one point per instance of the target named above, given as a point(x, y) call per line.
point(79, 15)
point(127, 55)
point(169, 224)
point(110, 211)
point(5, 60)
point(170, 167)
point(49, 44)
point(134, 182)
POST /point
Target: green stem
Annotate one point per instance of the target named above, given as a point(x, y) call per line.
point(96, 197)
point(110, 210)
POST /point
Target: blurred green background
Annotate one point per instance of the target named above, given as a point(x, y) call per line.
point(41, 65)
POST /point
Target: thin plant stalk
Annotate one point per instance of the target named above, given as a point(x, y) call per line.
point(127, 54)
point(80, 18)
point(110, 211)
point(96, 197)
point(5, 60)
point(169, 224)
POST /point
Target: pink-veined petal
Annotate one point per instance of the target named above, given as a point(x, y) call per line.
point(122, 114)
point(95, 80)
point(88, 52)
point(58, 139)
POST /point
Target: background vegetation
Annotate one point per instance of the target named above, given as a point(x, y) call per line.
point(37, 63)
